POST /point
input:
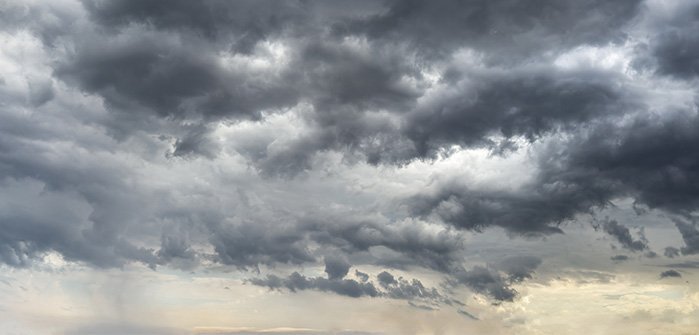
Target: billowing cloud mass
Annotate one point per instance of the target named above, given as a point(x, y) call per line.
point(433, 154)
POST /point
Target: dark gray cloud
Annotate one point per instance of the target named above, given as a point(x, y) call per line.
point(620, 258)
point(671, 252)
point(490, 281)
point(150, 72)
point(670, 274)
point(298, 282)
point(475, 107)
point(363, 276)
point(438, 250)
point(658, 174)
point(153, 62)
point(617, 161)
point(247, 21)
point(129, 91)
point(364, 81)
point(651, 254)
point(386, 279)
point(525, 103)
point(62, 190)
point(486, 281)
point(506, 29)
point(602, 162)
point(175, 247)
point(145, 65)
point(620, 161)
point(388, 287)
point(413, 289)
point(519, 268)
point(672, 48)
point(336, 267)
point(196, 142)
point(249, 245)
point(404, 289)
point(685, 265)
point(690, 236)
point(537, 209)
point(622, 235)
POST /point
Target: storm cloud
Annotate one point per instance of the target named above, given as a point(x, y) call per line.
point(364, 141)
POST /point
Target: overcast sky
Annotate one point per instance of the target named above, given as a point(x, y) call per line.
point(349, 167)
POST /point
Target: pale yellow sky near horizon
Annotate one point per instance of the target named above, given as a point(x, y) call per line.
point(63, 298)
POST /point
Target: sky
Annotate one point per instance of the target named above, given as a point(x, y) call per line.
point(349, 167)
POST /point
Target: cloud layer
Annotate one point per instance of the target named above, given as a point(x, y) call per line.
point(260, 137)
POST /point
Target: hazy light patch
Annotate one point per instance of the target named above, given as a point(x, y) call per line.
point(476, 168)
point(569, 307)
point(267, 56)
point(139, 298)
point(609, 58)
point(26, 76)
point(468, 58)
point(660, 11)
point(273, 127)
point(248, 330)
point(21, 48)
